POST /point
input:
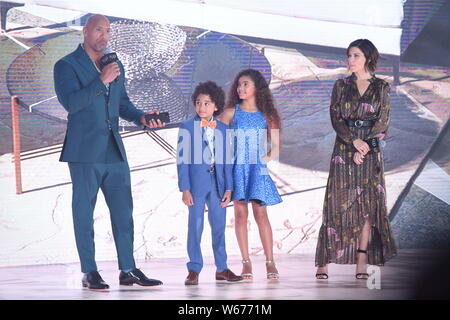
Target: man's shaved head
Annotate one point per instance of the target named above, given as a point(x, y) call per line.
point(94, 19)
point(96, 33)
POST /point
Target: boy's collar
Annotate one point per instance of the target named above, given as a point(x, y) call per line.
point(197, 117)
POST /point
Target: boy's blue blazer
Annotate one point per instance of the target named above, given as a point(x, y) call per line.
point(193, 156)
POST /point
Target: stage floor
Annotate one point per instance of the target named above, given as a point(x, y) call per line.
point(62, 282)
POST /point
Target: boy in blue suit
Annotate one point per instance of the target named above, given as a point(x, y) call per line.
point(205, 177)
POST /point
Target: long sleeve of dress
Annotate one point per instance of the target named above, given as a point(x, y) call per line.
point(382, 122)
point(339, 125)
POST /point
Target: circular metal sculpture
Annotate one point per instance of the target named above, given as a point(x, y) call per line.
point(163, 64)
point(146, 49)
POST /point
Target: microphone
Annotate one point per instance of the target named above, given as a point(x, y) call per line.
point(108, 58)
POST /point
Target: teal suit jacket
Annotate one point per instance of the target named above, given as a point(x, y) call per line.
point(93, 114)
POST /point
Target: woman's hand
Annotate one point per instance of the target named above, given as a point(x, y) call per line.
point(226, 198)
point(361, 146)
point(187, 198)
point(358, 158)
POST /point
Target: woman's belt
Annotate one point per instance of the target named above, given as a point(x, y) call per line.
point(360, 123)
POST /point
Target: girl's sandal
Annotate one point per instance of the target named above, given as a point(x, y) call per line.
point(272, 275)
point(248, 275)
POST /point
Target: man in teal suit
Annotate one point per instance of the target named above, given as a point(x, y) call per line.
point(94, 149)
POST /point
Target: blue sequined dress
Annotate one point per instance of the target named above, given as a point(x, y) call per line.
point(251, 176)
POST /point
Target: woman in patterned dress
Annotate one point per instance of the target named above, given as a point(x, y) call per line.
point(355, 227)
point(252, 114)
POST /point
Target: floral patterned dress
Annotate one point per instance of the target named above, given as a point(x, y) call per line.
point(355, 193)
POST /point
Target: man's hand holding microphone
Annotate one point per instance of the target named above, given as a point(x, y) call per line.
point(110, 72)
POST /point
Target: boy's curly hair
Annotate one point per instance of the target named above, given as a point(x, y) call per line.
point(215, 92)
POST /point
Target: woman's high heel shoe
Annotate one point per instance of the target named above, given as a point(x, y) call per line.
point(362, 275)
point(321, 275)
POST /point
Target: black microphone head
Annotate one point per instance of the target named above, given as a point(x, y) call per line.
point(108, 58)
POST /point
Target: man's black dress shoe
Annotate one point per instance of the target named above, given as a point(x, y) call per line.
point(94, 281)
point(136, 276)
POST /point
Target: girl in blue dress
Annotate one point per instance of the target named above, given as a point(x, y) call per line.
point(251, 113)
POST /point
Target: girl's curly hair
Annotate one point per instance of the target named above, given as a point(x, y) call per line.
point(263, 97)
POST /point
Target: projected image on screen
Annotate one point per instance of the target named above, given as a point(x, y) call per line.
point(163, 63)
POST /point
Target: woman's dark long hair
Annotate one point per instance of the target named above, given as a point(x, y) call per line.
point(370, 52)
point(263, 97)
